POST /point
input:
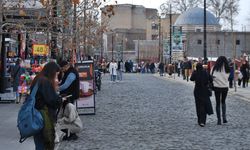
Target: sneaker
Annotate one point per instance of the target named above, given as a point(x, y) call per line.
point(202, 124)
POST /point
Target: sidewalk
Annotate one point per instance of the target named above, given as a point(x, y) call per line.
point(9, 135)
point(8, 96)
point(243, 93)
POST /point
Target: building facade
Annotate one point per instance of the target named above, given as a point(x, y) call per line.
point(133, 23)
point(229, 44)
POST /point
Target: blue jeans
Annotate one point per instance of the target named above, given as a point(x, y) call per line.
point(113, 77)
point(39, 142)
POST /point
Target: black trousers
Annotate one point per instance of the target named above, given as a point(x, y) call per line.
point(244, 81)
point(230, 83)
point(220, 97)
point(200, 110)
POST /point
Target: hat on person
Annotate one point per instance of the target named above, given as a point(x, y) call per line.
point(63, 63)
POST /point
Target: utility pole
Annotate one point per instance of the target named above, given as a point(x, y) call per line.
point(112, 48)
point(84, 27)
point(54, 30)
point(3, 52)
point(122, 49)
point(205, 32)
point(75, 35)
point(234, 55)
point(159, 54)
point(170, 30)
point(138, 46)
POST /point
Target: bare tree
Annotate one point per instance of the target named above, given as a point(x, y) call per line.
point(179, 6)
point(233, 10)
point(221, 9)
point(87, 13)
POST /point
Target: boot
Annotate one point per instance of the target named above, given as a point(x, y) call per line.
point(224, 113)
point(218, 115)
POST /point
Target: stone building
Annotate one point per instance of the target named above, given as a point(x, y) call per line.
point(219, 42)
point(130, 24)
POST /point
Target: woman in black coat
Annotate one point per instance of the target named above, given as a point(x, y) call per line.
point(201, 94)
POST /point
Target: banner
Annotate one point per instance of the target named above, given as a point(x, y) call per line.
point(87, 94)
point(177, 38)
point(40, 49)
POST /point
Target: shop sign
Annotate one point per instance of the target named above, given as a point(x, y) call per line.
point(40, 49)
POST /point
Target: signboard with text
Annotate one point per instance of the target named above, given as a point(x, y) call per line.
point(177, 38)
point(86, 101)
point(40, 49)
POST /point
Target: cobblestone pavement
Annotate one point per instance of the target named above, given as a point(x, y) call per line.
point(147, 113)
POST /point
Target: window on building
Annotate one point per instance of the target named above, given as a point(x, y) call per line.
point(199, 42)
point(218, 42)
point(154, 26)
point(237, 42)
point(154, 37)
point(198, 29)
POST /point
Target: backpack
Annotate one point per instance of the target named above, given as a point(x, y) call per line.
point(29, 120)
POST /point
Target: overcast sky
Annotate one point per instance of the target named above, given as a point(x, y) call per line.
point(241, 18)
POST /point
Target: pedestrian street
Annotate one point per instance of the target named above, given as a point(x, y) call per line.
point(144, 112)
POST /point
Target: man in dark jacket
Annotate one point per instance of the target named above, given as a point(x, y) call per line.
point(161, 68)
point(70, 81)
point(16, 72)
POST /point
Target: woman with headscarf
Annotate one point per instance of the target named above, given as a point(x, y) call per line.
point(201, 94)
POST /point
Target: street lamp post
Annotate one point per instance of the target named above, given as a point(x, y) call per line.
point(170, 34)
point(112, 48)
point(124, 47)
point(205, 33)
point(159, 26)
point(138, 47)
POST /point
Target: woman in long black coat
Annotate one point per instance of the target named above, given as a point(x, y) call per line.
point(201, 94)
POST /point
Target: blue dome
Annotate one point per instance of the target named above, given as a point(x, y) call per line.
point(195, 16)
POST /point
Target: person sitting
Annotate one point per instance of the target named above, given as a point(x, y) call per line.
point(69, 121)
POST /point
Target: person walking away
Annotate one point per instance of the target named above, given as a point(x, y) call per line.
point(179, 68)
point(103, 66)
point(187, 66)
point(152, 67)
point(69, 121)
point(112, 70)
point(201, 93)
point(170, 70)
point(220, 73)
point(131, 66)
point(47, 102)
point(161, 68)
point(16, 72)
point(231, 75)
point(244, 70)
point(126, 66)
point(70, 81)
point(120, 69)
